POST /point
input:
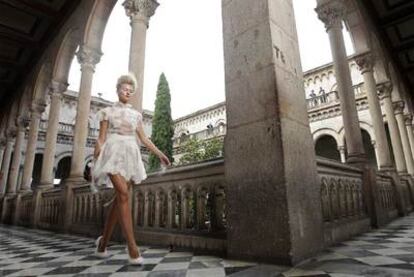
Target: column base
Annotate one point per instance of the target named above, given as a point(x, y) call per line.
point(357, 159)
point(75, 180)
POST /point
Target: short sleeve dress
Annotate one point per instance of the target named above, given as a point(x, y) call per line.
point(120, 154)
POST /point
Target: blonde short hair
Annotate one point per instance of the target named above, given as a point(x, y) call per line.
point(127, 79)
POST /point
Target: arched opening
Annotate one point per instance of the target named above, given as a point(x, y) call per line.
point(387, 132)
point(63, 169)
point(37, 169)
point(369, 148)
point(327, 147)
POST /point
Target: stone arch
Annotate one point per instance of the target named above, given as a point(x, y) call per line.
point(62, 155)
point(65, 55)
point(42, 81)
point(37, 168)
point(326, 146)
point(327, 132)
point(96, 23)
point(63, 167)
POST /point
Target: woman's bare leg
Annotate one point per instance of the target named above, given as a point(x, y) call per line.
point(110, 223)
point(124, 213)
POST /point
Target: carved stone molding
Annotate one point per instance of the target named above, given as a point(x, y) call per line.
point(384, 90)
point(38, 107)
point(57, 88)
point(398, 107)
point(408, 119)
point(140, 8)
point(365, 62)
point(332, 13)
point(88, 57)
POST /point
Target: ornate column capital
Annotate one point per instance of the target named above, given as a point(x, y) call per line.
point(140, 9)
point(3, 141)
point(11, 133)
point(408, 119)
point(365, 62)
point(38, 107)
point(88, 57)
point(22, 122)
point(57, 88)
point(332, 13)
point(384, 90)
point(398, 107)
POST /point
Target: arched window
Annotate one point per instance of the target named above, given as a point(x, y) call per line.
point(327, 147)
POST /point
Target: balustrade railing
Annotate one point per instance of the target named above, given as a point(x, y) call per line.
point(387, 193)
point(26, 209)
point(341, 191)
point(195, 205)
point(50, 208)
point(332, 97)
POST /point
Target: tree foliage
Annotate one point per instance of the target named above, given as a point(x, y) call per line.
point(195, 150)
point(162, 124)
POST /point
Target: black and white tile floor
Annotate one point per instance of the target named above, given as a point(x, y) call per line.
point(26, 252)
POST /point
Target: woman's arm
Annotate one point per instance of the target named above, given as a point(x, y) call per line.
point(148, 143)
point(103, 126)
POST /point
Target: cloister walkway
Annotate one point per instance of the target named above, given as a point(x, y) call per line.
point(388, 251)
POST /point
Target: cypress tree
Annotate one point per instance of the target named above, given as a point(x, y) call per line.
point(162, 124)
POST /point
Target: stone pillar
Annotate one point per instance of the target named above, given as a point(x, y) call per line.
point(38, 107)
point(332, 14)
point(408, 119)
point(263, 75)
point(87, 58)
point(56, 92)
point(139, 11)
point(366, 63)
point(399, 116)
point(342, 153)
point(385, 96)
point(17, 154)
point(11, 133)
point(3, 143)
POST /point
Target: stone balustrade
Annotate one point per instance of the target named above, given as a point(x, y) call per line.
point(186, 206)
point(50, 209)
point(331, 98)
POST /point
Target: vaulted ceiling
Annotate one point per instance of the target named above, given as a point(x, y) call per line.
point(26, 29)
point(395, 20)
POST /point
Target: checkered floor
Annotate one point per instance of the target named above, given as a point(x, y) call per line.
point(25, 252)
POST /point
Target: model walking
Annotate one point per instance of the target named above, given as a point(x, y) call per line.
point(118, 163)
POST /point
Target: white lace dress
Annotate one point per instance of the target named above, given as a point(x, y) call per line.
point(120, 154)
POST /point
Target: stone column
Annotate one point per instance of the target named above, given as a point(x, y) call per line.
point(56, 92)
point(87, 58)
point(38, 107)
point(139, 11)
point(399, 116)
point(342, 153)
point(263, 75)
point(11, 134)
point(366, 63)
point(408, 118)
point(3, 143)
point(332, 14)
point(385, 96)
point(17, 154)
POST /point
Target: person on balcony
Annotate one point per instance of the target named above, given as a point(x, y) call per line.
point(118, 163)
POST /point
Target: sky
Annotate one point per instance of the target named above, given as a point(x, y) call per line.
point(184, 40)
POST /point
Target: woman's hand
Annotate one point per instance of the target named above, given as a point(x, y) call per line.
point(164, 159)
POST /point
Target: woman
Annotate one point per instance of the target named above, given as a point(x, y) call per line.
point(118, 158)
